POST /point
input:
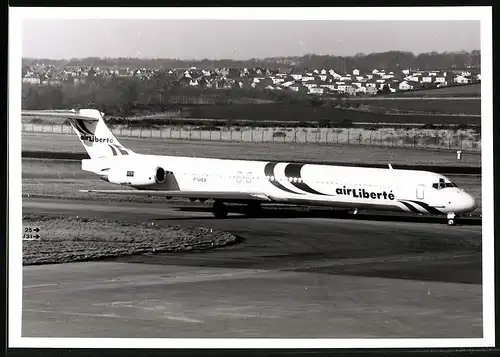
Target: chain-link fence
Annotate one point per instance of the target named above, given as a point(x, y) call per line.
point(466, 140)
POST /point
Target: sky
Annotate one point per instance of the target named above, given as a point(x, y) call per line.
point(239, 39)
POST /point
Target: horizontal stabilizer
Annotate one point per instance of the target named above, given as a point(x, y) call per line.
point(221, 195)
point(62, 114)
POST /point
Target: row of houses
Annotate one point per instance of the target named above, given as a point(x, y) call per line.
point(315, 81)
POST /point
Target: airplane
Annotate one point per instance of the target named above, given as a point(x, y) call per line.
point(254, 183)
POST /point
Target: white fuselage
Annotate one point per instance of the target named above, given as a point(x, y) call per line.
point(293, 183)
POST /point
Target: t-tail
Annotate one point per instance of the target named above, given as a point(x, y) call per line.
point(92, 131)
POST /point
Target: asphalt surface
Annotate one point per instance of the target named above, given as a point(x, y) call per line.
point(290, 275)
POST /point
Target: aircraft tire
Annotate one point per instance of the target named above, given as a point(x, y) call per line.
point(253, 210)
point(451, 222)
point(219, 210)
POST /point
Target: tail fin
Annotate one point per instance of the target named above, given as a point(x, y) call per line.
point(91, 129)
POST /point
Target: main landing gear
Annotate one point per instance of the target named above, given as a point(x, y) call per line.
point(451, 219)
point(219, 209)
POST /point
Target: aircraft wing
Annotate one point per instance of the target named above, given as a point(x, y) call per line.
point(221, 195)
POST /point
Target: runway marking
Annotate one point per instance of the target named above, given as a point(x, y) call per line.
point(226, 311)
point(39, 285)
point(114, 316)
point(385, 259)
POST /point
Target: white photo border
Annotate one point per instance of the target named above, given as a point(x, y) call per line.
point(18, 14)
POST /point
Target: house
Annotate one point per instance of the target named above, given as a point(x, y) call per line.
point(411, 78)
point(31, 79)
point(405, 86)
point(371, 90)
point(355, 72)
point(441, 80)
point(297, 87)
point(426, 79)
point(307, 78)
point(277, 80)
point(360, 89)
point(461, 80)
point(297, 76)
point(288, 84)
point(334, 74)
point(351, 90)
point(328, 86)
point(316, 90)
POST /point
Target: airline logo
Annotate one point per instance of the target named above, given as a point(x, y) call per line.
point(362, 193)
point(95, 139)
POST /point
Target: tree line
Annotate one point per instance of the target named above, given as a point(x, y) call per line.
point(126, 96)
point(390, 60)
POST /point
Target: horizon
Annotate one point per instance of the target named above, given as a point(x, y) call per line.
point(248, 59)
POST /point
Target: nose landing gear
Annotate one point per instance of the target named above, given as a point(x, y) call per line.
point(451, 219)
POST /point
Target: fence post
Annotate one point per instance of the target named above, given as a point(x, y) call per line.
point(220, 135)
point(326, 138)
point(230, 134)
point(262, 131)
point(62, 128)
point(295, 135)
point(241, 135)
point(189, 133)
point(151, 131)
point(348, 137)
point(370, 138)
point(449, 142)
point(337, 138)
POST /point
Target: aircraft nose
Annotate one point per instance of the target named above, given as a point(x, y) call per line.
point(469, 203)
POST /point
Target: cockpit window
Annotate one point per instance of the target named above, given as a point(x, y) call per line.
point(441, 184)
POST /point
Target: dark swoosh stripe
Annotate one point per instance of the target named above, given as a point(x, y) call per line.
point(427, 207)
point(410, 207)
point(114, 150)
point(293, 170)
point(269, 171)
point(121, 149)
point(83, 128)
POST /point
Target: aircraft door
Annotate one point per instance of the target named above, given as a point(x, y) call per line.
point(420, 192)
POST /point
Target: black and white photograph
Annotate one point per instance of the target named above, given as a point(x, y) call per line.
point(251, 177)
